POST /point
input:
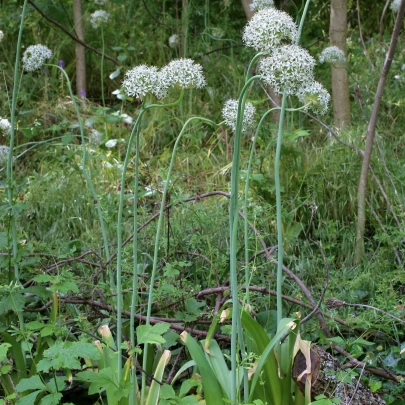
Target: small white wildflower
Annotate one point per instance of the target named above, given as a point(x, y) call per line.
point(108, 165)
point(257, 5)
point(287, 69)
point(100, 2)
point(35, 56)
point(1, 35)
point(5, 126)
point(316, 95)
point(230, 112)
point(142, 80)
point(95, 137)
point(182, 72)
point(403, 67)
point(395, 5)
point(332, 54)
point(269, 28)
point(111, 143)
point(4, 150)
point(174, 41)
point(99, 18)
point(397, 77)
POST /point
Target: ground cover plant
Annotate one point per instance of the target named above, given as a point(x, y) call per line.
point(181, 209)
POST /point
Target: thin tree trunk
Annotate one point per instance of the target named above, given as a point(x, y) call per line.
point(275, 97)
point(361, 193)
point(80, 49)
point(340, 77)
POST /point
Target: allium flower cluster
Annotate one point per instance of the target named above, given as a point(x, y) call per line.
point(230, 112)
point(173, 41)
point(317, 97)
point(1, 35)
point(257, 5)
point(332, 54)
point(183, 73)
point(100, 2)
point(95, 137)
point(5, 126)
point(269, 28)
point(395, 5)
point(142, 80)
point(4, 150)
point(99, 18)
point(35, 56)
point(287, 69)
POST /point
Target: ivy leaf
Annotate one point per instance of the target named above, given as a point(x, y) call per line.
point(66, 355)
point(32, 383)
point(151, 334)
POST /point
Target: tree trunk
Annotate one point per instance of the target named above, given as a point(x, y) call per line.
point(324, 369)
point(80, 49)
point(340, 78)
point(275, 97)
point(361, 193)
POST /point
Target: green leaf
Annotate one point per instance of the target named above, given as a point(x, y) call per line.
point(122, 57)
point(374, 385)
point(32, 383)
point(194, 307)
point(3, 351)
point(51, 399)
point(99, 382)
point(14, 301)
point(66, 355)
point(34, 325)
point(29, 399)
point(187, 385)
point(151, 334)
point(167, 392)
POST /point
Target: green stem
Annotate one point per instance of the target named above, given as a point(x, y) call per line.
point(301, 26)
point(157, 238)
point(10, 180)
point(119, 224)
point(279, 214)
point(102, 68)
point(84, 163)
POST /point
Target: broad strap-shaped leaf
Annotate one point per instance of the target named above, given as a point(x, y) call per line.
point(154, 390)
point(212, 390)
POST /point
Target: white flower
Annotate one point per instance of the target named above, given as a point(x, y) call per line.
point(395, 5)
point(287, 69)
point(4, 150)
point(173, 41)
point(230, 112)
point(95, 137)
point(5, 126)
point(316, 95)
point(142, 80)
point(261, 4)
point(1, 35)
point(182, 72)
point(35, 56)
point(269, 28)
point(332, 54)
point(111, 143)
point(99, 18)
point(100, 2)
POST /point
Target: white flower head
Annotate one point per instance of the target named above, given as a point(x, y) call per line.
point(1, 35)
point(100, 2)
point(332, 54)
point(35, 56)
point(287, 69)
point(230, 112)
point(95, 137)
point(5, 126)
point(4, 150)
point(395, 5)
point(111, 143)
point(99, 18)
point(317, 97)
point(269, 28)
point(142, 80)
point(258, 5)
point(182, 72)
point(173, 41)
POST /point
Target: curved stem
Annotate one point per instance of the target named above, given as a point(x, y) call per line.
point(157, 238)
